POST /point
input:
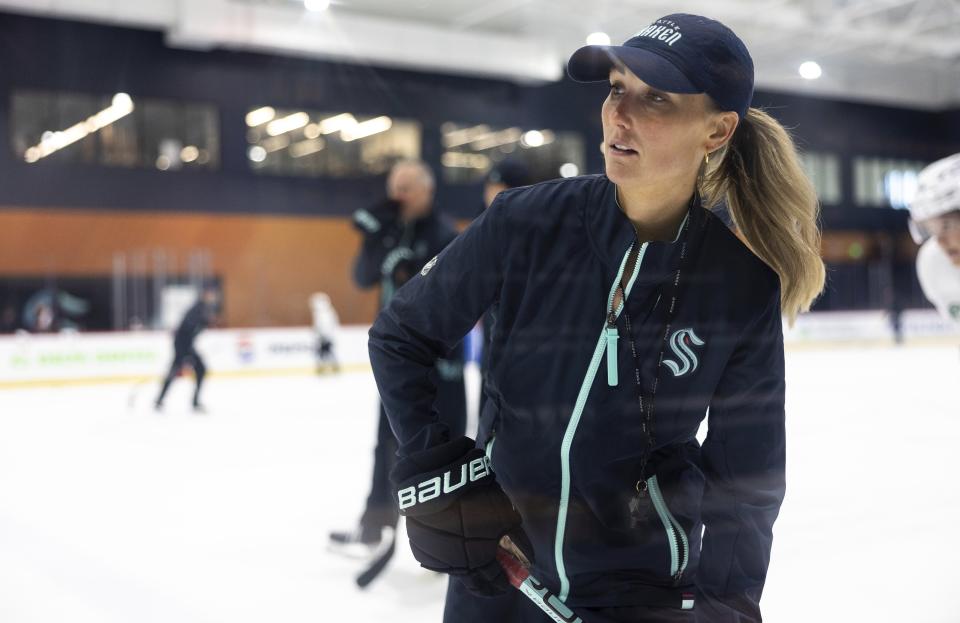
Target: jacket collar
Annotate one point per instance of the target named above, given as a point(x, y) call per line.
point(611, 233)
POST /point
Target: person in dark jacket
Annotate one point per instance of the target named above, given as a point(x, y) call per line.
point(197, 318)
point(399, 236)
point(504, 175)
point(625, 311)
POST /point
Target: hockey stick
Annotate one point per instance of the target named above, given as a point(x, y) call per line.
point(380, 560)
point(134, 394)
point(534, 590)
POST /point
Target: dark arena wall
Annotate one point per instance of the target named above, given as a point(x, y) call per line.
point(274, 239)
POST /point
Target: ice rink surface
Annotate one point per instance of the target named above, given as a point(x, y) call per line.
point(113, 514)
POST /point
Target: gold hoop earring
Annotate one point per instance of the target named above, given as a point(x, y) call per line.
point(706, 158)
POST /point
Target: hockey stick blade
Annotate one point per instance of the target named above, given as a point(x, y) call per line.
point(534, 590)
point(379, 563)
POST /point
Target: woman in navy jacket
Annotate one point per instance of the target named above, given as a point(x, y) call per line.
point(625, 311)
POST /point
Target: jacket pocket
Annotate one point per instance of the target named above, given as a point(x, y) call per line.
point(676, 535)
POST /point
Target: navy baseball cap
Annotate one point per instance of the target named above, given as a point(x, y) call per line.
point(679, 53)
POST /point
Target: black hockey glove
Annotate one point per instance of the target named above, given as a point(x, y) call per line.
point(456, 514)
point(377, 220)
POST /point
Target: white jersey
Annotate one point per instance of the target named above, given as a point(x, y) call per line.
point(326, 323)
point(940, 279)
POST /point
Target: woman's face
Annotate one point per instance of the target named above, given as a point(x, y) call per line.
point(652, 137)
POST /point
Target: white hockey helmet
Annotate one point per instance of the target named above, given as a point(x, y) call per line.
point(938, 193)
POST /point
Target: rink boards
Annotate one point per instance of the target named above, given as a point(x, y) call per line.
point(107, 357)
point(119, 357)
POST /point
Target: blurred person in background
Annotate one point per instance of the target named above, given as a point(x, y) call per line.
point(504, 175)
point(198, 317)
point(509, 173)
point(326, 324)
point(8, 318)
point(935, 224)
point(51, 309)
point(589, 467)
point(400, 235)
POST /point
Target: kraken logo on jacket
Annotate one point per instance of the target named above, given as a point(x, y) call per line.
point(680, 343)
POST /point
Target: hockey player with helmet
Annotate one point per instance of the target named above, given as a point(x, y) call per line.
point(935, 224)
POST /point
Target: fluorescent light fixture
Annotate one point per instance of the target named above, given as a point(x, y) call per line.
point(276, 143)
point(312, 130)
point(122, 101)
point(337, 123)
point(454, 159)
point(257, 153)
point(569, 169)
point(121, 105)
point(260, 116)
point(533, 138)
point(305, 148)
point(810, 70)
point(598, 38)
point(189, 153)
point(287, 124)
point(496, 139)
point(456, 138)
point(366, 128)
point(316, 5)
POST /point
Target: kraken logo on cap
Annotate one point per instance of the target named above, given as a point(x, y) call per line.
point(662, 30)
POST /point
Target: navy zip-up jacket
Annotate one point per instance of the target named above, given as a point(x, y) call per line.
point(562, 426)
point(393, 251)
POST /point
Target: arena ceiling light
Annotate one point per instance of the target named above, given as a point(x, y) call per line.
point(257, 153)
point(337, 123)
point(260, 116)
point(533, 138)
point(598, 38)
point(569, 169)
point(189, 153)
point(276, 143)
point(457, 137)
point(366, 128)
point(287, 124)
point(810, 70)
point(497, 139)
point(121, 105)
point(316, 6)
point(305, 148)
point(459, 160)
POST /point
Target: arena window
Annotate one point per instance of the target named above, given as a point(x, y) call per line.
point(470, 150)
point(883, 182)
point(113, 130)
point(824, 172)
point(327, 144)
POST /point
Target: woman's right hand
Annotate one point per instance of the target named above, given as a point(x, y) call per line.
point(457, 514)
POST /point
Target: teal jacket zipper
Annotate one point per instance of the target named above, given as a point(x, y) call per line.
point(603, 343)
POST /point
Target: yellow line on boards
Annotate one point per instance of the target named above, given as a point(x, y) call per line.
point(140, 378)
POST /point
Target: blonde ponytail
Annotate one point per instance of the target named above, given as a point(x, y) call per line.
point(772, 203)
